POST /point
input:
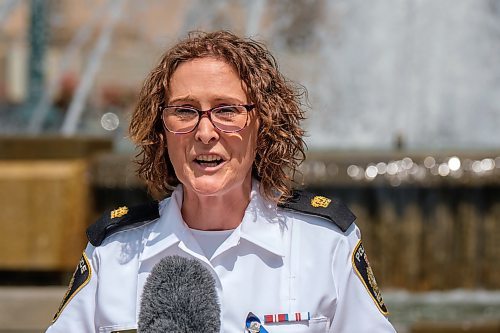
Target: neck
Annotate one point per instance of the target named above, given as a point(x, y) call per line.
point(218, 212)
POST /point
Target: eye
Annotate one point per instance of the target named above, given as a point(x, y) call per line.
point(184, 112)
point(227, 112)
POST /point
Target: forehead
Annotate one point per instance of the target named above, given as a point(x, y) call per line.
point(204, 78)
point(198, 67)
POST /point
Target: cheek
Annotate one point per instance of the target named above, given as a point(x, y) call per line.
point(254, 138)
point(250, 149)
point(175, 150)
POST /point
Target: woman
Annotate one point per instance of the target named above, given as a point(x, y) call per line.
point(218, 124)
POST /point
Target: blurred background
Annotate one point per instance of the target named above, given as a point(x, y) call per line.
point(403, 126)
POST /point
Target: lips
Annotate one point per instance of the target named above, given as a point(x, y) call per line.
point(208, 160)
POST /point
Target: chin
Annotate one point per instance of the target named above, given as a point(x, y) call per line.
point(208, 190)
point(213, 186)
point(209, 187)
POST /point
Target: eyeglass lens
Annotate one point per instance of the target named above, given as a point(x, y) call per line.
point(231, 118)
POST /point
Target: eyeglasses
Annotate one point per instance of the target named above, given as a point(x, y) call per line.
point(227, 118)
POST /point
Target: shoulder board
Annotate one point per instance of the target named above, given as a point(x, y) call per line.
point(329, 208)
point(121, 218)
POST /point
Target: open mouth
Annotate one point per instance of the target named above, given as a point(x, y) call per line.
point(209, 160)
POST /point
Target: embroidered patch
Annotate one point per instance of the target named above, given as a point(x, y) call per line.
point(320, 201)
point(119, 212)
point(362, 267)
point(80, 278)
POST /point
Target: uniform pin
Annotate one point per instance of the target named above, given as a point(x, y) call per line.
point(254, 327)
point(119, 212)
point(320, 201)
point(253, 324)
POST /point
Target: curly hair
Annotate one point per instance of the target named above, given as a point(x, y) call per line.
point(278, 101)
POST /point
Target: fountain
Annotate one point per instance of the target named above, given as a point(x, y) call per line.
point(403, 124)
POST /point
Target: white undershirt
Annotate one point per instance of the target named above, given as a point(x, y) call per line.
point(210, 241)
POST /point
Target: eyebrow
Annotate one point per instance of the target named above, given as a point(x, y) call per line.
point(191, 99)
point(182, 99)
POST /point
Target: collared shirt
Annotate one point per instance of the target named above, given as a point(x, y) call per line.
point(274, 262)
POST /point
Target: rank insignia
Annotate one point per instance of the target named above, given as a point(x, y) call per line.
point(362, 267)
point(119, 212)
point(80, 278)
point(318, 205)
point(122, 218)
point(320, 201)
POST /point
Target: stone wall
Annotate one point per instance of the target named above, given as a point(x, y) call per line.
point(429, 238)
point(425, 227)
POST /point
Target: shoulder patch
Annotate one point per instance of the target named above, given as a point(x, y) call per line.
point(121, 218)
point(364, 271)
point(80, 278)
point(329, 208)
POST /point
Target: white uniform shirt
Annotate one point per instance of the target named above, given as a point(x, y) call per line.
point(276, 261)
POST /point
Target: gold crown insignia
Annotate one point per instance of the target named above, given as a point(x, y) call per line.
point(119, 212)
point(320, 201)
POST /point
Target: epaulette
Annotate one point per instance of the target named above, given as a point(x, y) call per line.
point(331, 209)
point(121, 218)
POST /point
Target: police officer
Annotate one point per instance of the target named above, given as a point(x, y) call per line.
point(219, 124)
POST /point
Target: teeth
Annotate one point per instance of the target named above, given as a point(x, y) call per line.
point(208, 158)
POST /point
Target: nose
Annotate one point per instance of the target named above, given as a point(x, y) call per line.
point(206, 132)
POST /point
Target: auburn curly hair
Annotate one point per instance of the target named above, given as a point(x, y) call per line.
point(278, 101)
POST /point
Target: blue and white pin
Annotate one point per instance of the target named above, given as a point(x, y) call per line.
point(253, 324)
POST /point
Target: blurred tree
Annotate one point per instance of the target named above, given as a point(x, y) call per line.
point(37, 44)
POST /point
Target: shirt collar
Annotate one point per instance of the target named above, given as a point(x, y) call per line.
point(262, 225)
point(170, 228)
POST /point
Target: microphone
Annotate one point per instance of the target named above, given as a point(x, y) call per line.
point(179, 296)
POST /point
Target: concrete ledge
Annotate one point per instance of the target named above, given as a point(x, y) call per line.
point(28, 309)
point(51, 147)
point(472, 327)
